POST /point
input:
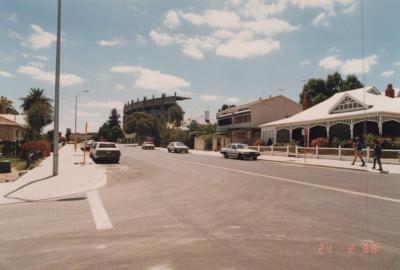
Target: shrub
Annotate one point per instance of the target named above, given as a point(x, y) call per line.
point(42, 148)
point(320, 142)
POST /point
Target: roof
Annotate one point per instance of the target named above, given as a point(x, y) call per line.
point(19, 119)
point(5, 121)
point(246, 107)
point(369, 97)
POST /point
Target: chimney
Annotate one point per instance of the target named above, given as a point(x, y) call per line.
point(389, 92)
point(306, 102)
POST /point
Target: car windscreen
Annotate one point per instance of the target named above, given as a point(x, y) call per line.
point(242, 146)
point(179, 144)
point(107, 145)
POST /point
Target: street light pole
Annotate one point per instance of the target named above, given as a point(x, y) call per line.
point(76, 105)
point(57, 94)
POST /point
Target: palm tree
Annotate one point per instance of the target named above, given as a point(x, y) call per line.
point(36, 95)
point(38, 108)
point(6, 106)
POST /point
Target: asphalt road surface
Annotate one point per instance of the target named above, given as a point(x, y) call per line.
point(164, 211)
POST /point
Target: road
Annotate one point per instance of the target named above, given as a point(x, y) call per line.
point(162, 211)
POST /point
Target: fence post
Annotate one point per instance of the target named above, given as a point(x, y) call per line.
point(297, 151)
point(367, 154)
point(316, 152)
point(287, 150)
point(272, 150)
point(340, 152)
point(258, 148)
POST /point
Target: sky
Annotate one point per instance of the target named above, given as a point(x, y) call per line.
point(213, 51)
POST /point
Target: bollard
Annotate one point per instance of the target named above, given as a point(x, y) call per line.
point(287, 150)
point(272, 150)
point(367, 154)
point(316, 152)
point(340, 152)
point(297, 151)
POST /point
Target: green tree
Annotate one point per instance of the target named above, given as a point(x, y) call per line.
point(351, 82)
point(39, 115)
point(113, 119)
point(6, 106)
point(175, 115)
point(39, 110)
point(334, 84)
point(319, 90)
point(115, 133)
point(103, 132)
point(225, 106)
point(36, 95)
point(316, 91)
point(140, 123)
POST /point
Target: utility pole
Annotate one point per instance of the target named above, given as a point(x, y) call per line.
point(57, 94)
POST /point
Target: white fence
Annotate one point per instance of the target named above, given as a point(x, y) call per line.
point(389, 156)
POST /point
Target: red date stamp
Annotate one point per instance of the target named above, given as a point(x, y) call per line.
point(366, 248)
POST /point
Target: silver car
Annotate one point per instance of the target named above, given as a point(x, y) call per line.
point(177, 147)
point(240, 151)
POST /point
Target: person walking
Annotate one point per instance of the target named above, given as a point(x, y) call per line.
point(377, 155)
point(358, 146)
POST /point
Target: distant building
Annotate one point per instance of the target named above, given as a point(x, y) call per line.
point(240, 124)
point(12, 127)
point(345, 115)
point(155, 106)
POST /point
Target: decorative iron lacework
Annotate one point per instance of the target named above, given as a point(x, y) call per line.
point(348, 105)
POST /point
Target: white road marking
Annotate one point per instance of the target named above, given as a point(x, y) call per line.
point(282, 179)
point(99, 213)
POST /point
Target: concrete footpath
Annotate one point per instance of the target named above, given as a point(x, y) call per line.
point(39, 184)
point(341, 164)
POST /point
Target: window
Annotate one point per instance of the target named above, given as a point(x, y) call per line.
point(348, 105)
point(107, 145)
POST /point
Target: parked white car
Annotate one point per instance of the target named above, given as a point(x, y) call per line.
point(177, 147)
point(106, 151)
point(240, 151)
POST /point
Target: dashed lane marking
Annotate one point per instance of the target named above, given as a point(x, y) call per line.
point(99, 213)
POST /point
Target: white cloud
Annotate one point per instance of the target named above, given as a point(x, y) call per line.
point(171, 19)
point(330, 62)
point(5, 74)
point(232, 100)
point(323, 18)
point(140, 39)
point(105, 104)
point(39, 38)
point(16, 36)
point(350, 66)
point(305, 63)
point(213, 18)
point(41, 75)
point(396, 63)
point(37, 64)
point(162, 39)
point(387, 73)
point(269, 27)
point(119, 87)
point(351, 9)
point(209, 97)
point(355, 66)
point(152, 79)
point(334, 50)
point(258, 9)
point(241, 49)
point(117, 41)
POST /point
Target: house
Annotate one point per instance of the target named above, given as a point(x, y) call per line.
point(240, 124)
point(12, 127)
point(345, 115)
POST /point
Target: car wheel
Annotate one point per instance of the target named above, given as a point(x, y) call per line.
point(240, 156)
point(226, 155)
point(254, 158)
point(117, 160)
point(175, 151)
point(169, 151)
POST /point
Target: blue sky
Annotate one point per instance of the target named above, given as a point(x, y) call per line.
point(216, 52)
